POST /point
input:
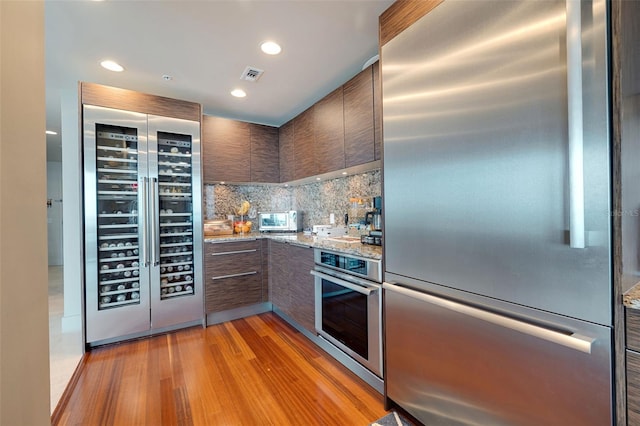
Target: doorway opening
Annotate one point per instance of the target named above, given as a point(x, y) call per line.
point(65, 331)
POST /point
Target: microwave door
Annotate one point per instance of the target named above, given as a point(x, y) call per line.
point(267, 221)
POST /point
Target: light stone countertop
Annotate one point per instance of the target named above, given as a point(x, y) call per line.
point(299, 239)
point(631, 298)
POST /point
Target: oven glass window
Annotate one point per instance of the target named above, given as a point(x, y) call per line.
point(344, 316)
point(353, 265)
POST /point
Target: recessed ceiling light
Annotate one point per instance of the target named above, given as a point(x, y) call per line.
point(270, 48)
point(238, 93)
point(112, 66)
point(51, 132)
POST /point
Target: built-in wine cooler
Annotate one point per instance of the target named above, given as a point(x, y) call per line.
point(143, 232)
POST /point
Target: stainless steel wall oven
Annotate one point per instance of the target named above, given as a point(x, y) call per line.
point(348, 305)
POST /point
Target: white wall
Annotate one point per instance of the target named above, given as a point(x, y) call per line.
point(54, 212)
point(24, 331)
point(72, 213)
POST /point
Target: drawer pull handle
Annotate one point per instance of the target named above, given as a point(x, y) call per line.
point(242, 274)
point(234, 252)
point(569, 339)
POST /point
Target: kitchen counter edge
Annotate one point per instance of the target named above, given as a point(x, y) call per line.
point(631, 298)
point(299, 239)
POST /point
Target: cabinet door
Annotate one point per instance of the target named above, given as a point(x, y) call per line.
point(225, 150)
point(305, 162)
point(286, 148)
point(632, 328)
point(633, 387)
point(302, 287)
point(264, 154)
point(233, 275)
point(329, 132)
point(226, 293)
point(377, 111)
point(265, 269)
point(279, 276)
point(358, 119)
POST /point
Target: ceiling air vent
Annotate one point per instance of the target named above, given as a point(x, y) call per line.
point(251, 74)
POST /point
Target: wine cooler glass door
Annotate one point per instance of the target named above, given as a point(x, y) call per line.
point(117, 295)
point(176, 252)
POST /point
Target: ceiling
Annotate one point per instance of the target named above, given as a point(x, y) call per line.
point(205, 45)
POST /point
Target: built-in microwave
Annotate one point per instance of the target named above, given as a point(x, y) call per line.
point(289, 221)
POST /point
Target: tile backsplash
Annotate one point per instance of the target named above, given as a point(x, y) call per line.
point(315, 200)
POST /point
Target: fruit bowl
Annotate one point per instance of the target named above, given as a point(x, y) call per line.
point(242, 226)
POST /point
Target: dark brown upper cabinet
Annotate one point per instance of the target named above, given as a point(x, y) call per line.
point(304, 150)
point(359, 139)
point(377, 111)
point(329, 132)
point(265, 162)
point(287, 158)
point(114, 97)
point(236, 151)
point(342, 130)
point(226, 152)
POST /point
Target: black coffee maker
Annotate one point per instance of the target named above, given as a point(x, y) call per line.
point(374, 220)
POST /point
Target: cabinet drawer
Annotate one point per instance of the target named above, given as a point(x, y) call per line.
point(633, 387)
point(213, 248)
point(232, 264)
point(234, 292)
point(222, 260)
point(632, 318)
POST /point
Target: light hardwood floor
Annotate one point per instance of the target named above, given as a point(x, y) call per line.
point(252, 371)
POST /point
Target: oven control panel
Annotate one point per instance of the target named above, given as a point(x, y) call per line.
point(359, 266)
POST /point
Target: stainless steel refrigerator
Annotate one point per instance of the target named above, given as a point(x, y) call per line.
point(498, 293)
point(143, 226)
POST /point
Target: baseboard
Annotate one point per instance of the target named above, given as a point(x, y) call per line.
point(71, 323)
point(56, 416)
point(234, 314)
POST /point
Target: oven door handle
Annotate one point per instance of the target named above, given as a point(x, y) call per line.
point(363, 289)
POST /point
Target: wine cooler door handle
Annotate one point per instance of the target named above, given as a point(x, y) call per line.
point(144, 214)
point(155, 213)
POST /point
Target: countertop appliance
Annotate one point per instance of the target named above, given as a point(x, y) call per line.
point(373, 238)
point(348, 294)
point(374, 220)
point(374, 217)
point(286, 221)
point(143, 226)
point(498, 293)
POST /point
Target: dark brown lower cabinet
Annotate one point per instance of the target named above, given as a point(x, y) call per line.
point(233, 275)
point(291, 285)
point(633, 387)
point(264, 245)
point(632, 322)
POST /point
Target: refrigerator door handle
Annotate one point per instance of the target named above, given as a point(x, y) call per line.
point(155, 240)
point(575, 125)
point(568, 339)
point(144, 215)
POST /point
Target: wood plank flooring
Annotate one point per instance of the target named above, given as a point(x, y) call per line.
point(252, 371)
